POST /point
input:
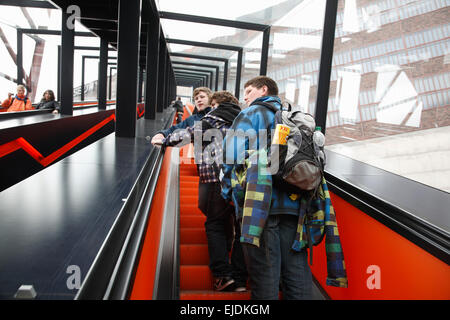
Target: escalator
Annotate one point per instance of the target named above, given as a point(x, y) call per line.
point(386, 255)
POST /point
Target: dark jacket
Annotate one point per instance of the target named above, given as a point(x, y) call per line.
point(189, 122)
point(178, 105)
point(52, 105)
point(211, 156)
point(251, 120)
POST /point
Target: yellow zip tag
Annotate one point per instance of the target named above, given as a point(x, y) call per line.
point(293, 196)
point(280, 135)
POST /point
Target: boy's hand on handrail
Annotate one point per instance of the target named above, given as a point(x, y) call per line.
point(158, 139)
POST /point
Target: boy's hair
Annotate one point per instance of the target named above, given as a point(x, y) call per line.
point(21, 86)
point(206, 90)
point(224, 96)
point(260, 81)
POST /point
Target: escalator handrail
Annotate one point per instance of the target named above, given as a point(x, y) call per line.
point(422, 233)
point(115, 264)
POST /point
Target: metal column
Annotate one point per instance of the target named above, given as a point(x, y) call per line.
point(19, 55)
point(102, 74)
point(151, 72)
point(161, 73)
point(326, 58)
point(225, 76)
point(67, 53)
point(83, 67)
point(238, 74)
point(129, 26)
point(58, 80)
point(264, 52)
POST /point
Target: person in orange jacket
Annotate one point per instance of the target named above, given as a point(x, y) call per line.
point(18, 103)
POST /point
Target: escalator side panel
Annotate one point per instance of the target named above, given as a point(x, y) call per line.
point(380, 263)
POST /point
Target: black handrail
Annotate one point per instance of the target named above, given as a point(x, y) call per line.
point(111, 274)
point(422, 233)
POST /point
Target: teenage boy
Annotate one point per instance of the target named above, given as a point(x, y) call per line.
point(202, 99)
point(270, 258)
point(220, 218)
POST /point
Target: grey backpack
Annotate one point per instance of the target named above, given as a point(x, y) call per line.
point(300, 168)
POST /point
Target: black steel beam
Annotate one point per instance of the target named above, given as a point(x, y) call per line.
point(213, 21)
point(140, 83)
point(55, 32)
point(326, 58)
point(67, 55)
point(195, 71)
point(102, 74)
point(110, 82)
point(58, 81)
point(238, 74)
point(83, 68)
point(204, 44)
point(19, 54)
point(221, 47)
point(28, 4)
point(264, 52)
point(161, 71)
point(188, 74)
point(91, 48)
point(194, 56)
point(127, 67)
point(228, 23)
point(98, 57)
point(203, 66)
point(151, 72)
point(225, 76)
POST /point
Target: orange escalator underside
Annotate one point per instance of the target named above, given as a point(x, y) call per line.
point(196, 281)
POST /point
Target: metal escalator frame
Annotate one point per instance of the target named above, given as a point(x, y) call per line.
point(111, 274)
point(167, 277)
point(423, 234)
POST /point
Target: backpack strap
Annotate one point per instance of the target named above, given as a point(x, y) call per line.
point(265, 104)
point(24, 100)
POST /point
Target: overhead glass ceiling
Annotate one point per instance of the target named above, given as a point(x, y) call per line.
point(295, 40)
point(294, 48)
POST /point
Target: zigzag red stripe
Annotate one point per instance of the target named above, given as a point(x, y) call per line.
point(21, 143)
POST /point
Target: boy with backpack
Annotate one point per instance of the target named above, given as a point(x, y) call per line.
point(269, 257)
point(275, 179)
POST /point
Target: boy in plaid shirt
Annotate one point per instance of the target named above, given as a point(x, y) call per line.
point(220, 218)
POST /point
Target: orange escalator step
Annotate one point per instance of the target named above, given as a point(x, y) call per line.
point(189, 199)
point(213, 295)
point(190, 209)
point(188, 185)
point(193, 236)
point(194, 254)
point(192, 221)
point(190, 179)
point(195, 277)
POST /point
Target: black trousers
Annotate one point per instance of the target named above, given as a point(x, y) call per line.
point(223, 233)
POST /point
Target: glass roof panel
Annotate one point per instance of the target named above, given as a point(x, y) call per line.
point(295, 40)
point(261, 11)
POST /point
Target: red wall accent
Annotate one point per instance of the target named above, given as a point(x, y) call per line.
point(145, 275)
point(406, 270)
